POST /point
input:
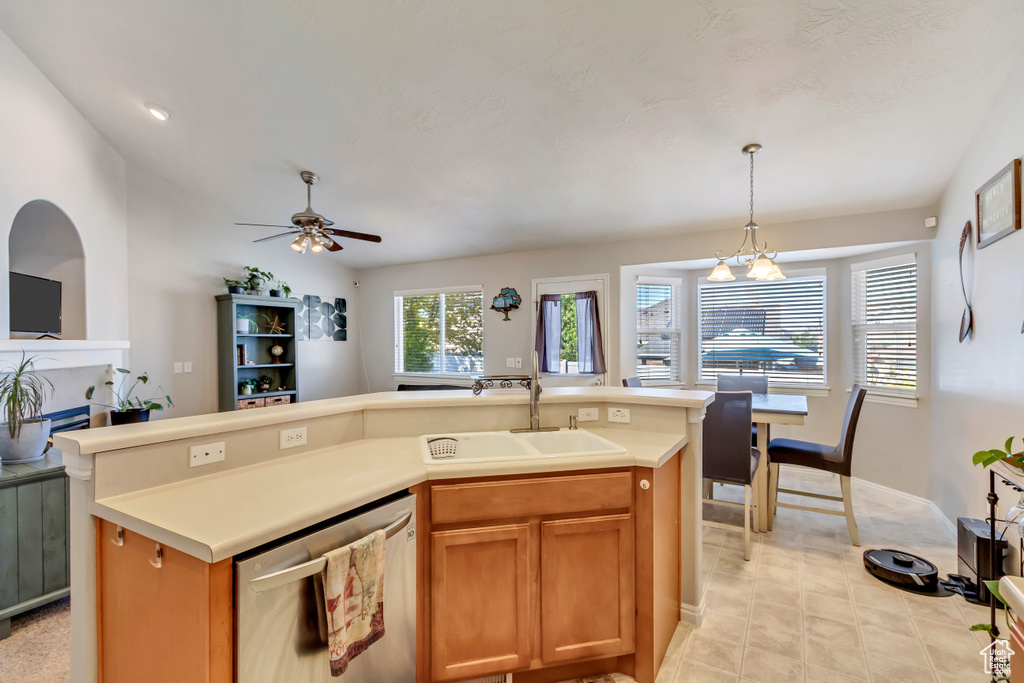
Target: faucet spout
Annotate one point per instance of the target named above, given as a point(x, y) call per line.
point(535, 391)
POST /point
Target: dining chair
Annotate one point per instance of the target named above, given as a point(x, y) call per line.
point(728, 457)
point(835, 459)
point(632, 382)
point(755, 384)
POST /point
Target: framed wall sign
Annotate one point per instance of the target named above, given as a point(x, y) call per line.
point(997, 205)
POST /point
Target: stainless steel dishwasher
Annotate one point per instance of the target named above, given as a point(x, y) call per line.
point(280, 631)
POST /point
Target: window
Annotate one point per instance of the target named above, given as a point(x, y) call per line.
point(885, 325)
point(658, 330)
point(439, 332)
point(775, 328)
point(568, 337)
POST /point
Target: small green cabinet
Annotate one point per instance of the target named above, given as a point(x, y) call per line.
point(35, 566)
point(247, 355)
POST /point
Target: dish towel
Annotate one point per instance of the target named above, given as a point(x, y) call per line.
point(354, 599)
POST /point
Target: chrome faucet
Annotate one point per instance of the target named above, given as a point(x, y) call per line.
point(535, 403)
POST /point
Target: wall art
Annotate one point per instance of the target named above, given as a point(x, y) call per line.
point(322, 319)
point(997, 205)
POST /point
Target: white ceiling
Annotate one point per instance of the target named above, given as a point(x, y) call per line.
point(454, 128)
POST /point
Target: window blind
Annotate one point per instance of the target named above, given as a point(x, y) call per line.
point(439, 333)
point(658, 331)
point(775, 328)
point(885, 325)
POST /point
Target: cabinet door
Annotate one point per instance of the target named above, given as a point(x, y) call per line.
point(480, 601)
point(587, 589)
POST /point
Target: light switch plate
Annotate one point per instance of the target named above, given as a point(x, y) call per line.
point(519, 362)
point(292, 438)
point(206, 454)
point(618, 415)
point(188, 366)
point(587, 415)
point(510, 362)
point(177, 367)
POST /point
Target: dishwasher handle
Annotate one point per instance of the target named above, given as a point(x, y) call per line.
point(315, 566)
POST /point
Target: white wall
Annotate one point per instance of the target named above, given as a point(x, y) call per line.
point(978, 390)
point(50, 152)
point(180, 247)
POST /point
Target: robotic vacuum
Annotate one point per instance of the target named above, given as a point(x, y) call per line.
point(902, 570)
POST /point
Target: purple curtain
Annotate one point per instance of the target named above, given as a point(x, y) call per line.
point(549, 332)
point(588, 334)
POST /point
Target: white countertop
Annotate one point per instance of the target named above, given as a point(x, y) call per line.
point(221, 515)
point(1012, 590)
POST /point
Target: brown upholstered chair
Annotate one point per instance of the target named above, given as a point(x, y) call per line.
point(836, 459)
point(728, 457)
point(632, 382)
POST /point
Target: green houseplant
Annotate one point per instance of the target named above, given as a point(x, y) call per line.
point(282, 290)
point(26, 430)
point(128, 406)
point(1006, 454)
point(234, 286)
point(255, 279)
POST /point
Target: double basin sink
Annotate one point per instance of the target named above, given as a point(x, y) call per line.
point(490, 446)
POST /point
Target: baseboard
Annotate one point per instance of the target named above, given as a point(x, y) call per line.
point(691, 614)
point(946, 521)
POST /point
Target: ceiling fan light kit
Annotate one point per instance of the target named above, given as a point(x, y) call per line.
point(757, 258)
point(312, 232)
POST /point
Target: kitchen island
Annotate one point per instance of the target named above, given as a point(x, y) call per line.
point(358, 450)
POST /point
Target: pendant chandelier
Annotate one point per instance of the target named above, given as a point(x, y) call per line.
point(756, 257)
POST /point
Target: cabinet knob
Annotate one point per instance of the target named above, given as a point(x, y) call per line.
point(644, 484)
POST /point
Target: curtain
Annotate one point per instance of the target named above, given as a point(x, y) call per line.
point(588, 334)
point(549, 332)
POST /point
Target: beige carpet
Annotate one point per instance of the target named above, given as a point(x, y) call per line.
point(39, 649)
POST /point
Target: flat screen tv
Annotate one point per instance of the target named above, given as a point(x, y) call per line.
point(35, 304)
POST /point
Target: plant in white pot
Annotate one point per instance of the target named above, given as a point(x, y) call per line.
point(128, 407)
point(25, 431)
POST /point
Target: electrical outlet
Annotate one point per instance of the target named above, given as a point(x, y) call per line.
point(618, 415)
point(291, 438)
point(206, 454)
point(510, 362)
point(587, 415)
point(188, 366)
point(519, 362)
point(177, 368)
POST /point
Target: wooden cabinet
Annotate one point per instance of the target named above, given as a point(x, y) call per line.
point(586, 589)
point(168, 624)
point(1017, 658)
point(539, 574)
point(480, 586)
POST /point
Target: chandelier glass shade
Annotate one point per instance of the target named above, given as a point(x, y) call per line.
point(753, 255)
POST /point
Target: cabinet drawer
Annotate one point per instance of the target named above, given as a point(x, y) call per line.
point(476, 501)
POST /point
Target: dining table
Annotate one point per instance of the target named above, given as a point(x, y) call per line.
point(769, 409)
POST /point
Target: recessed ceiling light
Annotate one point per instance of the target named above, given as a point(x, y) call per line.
point(158, 112)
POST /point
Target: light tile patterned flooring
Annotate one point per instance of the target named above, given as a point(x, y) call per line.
point(805, 610)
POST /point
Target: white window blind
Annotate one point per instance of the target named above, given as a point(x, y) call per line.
point(885, 325)
point(775, 328)
point(439, 332)
point(658, 330)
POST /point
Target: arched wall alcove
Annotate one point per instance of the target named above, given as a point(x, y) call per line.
point(45, 243)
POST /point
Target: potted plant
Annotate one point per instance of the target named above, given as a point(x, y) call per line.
point(990, 457)
point(264, 382)
point(283, 290)
point(255, 279)
point(246, 386)
point(234, 286)
point(128, 407)
point(24, 438)
point(246, 324)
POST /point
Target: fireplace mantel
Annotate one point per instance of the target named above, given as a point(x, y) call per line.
point(57, 354)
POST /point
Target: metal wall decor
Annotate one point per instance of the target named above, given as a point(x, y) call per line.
point(322, 319)
point(967, 321)
point(997, 205)
point(506, 301)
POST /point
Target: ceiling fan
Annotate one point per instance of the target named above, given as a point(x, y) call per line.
point(311, 230)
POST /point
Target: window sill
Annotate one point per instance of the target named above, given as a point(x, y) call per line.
point(907, 401)
point(779, 389)
point(432, 378)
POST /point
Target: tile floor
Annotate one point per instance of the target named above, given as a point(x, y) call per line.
point(805, 610)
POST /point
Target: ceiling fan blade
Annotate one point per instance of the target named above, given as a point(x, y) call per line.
point(274, 237)
point(267, 225)
point(334, 247)
point(352, 235)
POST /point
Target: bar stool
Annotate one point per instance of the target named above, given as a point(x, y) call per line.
point(632, 382)
point(755, 384)
point(836, 459)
